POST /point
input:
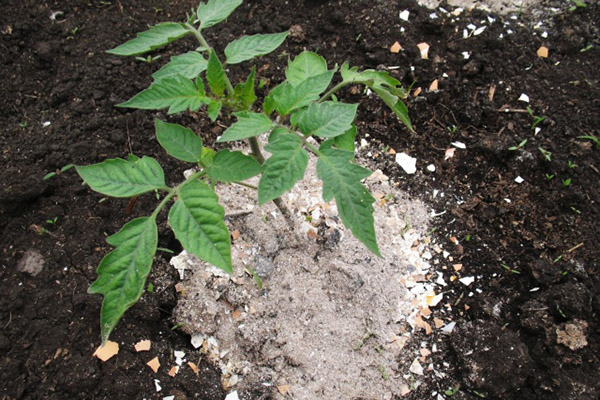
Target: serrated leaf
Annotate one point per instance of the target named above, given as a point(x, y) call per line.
point(270, 101)
point(120, 178)
point(290, 98)
point(396, 105)
point(342, 142)
point(157, 36)
point(233, 166)
point(248, 124)
point(180, 142)
point(190, 65)
point(177, 93)
point(215, 75)
point(370, 77)
point(122, 273)
point(341, 180)
point(244, 92)
point(248, 47)
point(214, 108)
point(215, 11)
point(306, 65)
point(197, 221)
point(284, 168)
point(327, 120)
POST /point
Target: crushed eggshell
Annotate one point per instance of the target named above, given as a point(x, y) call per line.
point(172, 397)
point(154, 364)
point(438, 323)
point(417, 91)
point(424, 352)
point(408, 163)
point(434, 85)
point(459, 145)
point(404, 15)
point(143, 345)
point(283, 389)
point(416, 368)
point(194, 367)
point(106, 352)
point(235, 235)
point(396, 47)
point(232, 396)
point(467, 280)
point(404, 390)
point(523, 98)
point(518, 179)
point(542, 52)
point(157, 385)
point(449, 328)
point(424, 49)
point(173, 371)
point(197, 340)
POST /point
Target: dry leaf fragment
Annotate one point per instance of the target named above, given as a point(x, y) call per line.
point(395, 48)
point(424, 49)
point(542, 52)
point(194, 367)
point(106, 352)
point(434, 86)
point(154, 364)
point(492, 92)
point(173, 371)
point(142, 345)
point(283, 389)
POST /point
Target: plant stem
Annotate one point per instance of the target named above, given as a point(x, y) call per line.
point(255, 146)
point(173, 192)
point(333, 90)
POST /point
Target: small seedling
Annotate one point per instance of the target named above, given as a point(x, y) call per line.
point(547, 155)
point(298, 116)
point(549, 177)
point(452, 391)
point(150, 288)
point(566, 182)
point(586, 48)
point(23, 124)
point(575, 4)
point(511, 270)
point(571, 164)
point(575, 210)
point(468, 237)
point(517, 147)
point(536, 119)
point(148, 59)
point(452, 129)
point(57, 172)
point(593, 138)
point(52, 222)
point(384, 375)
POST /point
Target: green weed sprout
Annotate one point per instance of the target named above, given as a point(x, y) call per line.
point(297, 109)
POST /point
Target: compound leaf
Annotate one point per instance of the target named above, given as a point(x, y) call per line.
point(177, 93)
point(190, 65)
point(122, 273)
point(215, 11)
point(328, 119)
point(232, 166)
point(157, 36)
point(215, 75)
point(290, 98)
point(284, 168)
point(119, 178)
point(244, 92)
point(248, 124)
point(180, 142)
point(248, 47)
point(341, 180)
point(197, 221)
point(306, 65)
point(396, 105)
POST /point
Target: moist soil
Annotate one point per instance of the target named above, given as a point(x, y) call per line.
point(527, 328)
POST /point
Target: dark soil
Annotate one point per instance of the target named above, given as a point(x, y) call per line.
point(536, 258)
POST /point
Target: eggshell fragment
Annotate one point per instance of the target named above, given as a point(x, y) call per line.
point(434, 86)
point(154, 364)
point(142, 345)
point(395, 48)
point(106, 352)
point(542, 52)
point(424, 49)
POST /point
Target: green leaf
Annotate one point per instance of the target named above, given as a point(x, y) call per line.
point(396, 105)
point(214, 107)
point(304, 66)
point(122, 273)
point(341, 180)
point(233, 166)
point(215, 75)
point(270, 101)
point(369, 77)
point(290, 98)
point(155, 37)
point(190, 65)
point(215, 11)
point(328, 119)
point(284, 168)
point(248, 124)
point(176, 93)
point(248, 47)
point(180, 142)
point(342, 142)
point(119, 178)
point(197, 221)
point(244, 92)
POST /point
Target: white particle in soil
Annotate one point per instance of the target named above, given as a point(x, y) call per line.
point(518, 179)
point(404, 15)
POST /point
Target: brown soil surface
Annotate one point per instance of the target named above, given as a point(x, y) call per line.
point(530, 331)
